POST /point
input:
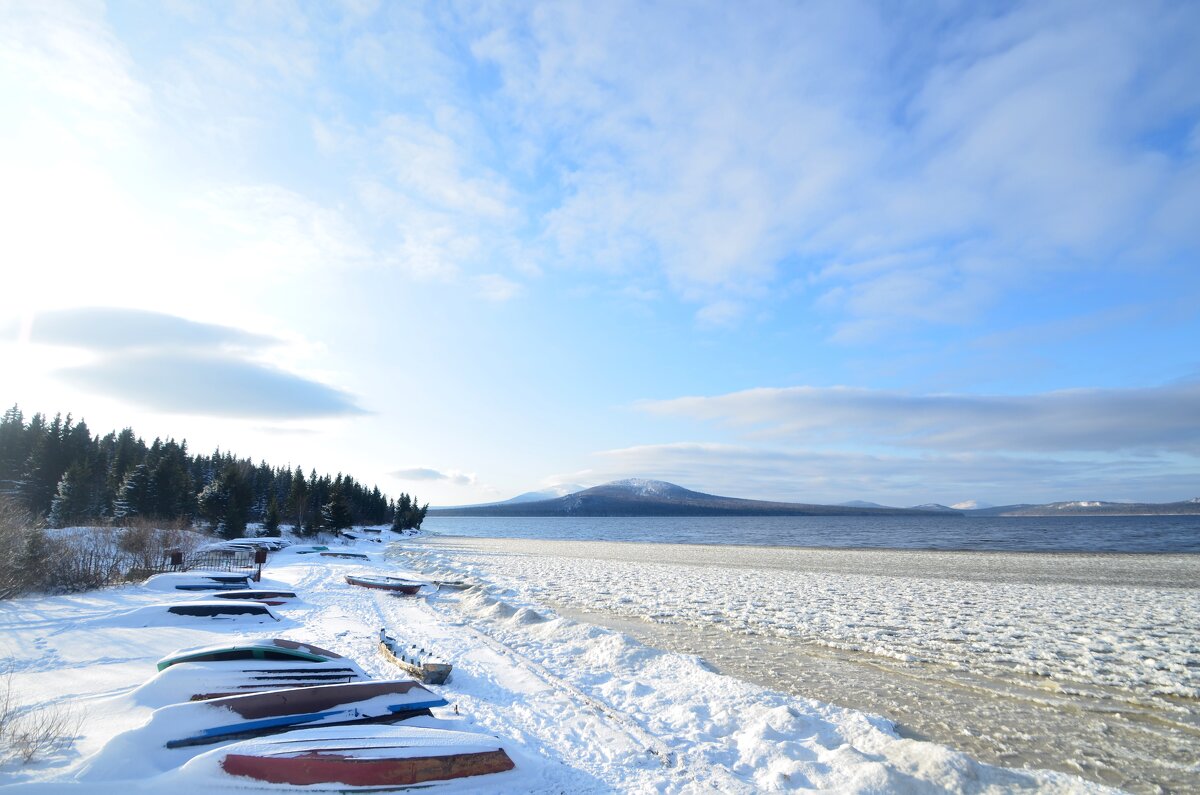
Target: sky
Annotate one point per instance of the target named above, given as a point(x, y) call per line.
point(803, 251)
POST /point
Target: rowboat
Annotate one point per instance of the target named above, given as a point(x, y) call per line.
point(424, 665)
point(397, 756)
point(396, 584)
point(197, 581)
point(278, 649)
point(214, 608)
point(349, 555)
point(255, 595)
point(203, 681)
point(274, 711)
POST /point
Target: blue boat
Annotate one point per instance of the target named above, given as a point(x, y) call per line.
point(256, 714)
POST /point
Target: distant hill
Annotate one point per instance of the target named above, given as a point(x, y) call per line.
point(934, 507)
point(638, 497)
point(1095, 508)
point(862, 504)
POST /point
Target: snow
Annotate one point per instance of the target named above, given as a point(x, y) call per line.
point(579, 708)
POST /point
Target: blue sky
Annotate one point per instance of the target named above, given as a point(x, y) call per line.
point(799, 251)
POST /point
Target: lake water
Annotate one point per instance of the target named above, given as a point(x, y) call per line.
point(998, 534)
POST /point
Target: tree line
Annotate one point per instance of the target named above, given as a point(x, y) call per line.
point(67, 476)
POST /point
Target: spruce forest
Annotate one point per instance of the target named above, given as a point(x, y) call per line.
point(67, 477)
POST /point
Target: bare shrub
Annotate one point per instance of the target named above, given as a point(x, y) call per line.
point(148, 543)
point(29, 734)
point(83, 558)
point(22, 540)
point(82, 561)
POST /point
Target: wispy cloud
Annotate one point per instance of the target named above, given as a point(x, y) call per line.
point(1110, 420)
point(732, 150)
point(453, 476)
point(802, 475)
point(172, 364)
point(189, 382)
point(116, 328)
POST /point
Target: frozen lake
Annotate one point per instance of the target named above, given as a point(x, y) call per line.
point(1084, 663)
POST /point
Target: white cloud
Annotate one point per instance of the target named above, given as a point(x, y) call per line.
point(728, 149)
point(828, 477)
point(452, 476)
point(1153, 419)
point(495, 287)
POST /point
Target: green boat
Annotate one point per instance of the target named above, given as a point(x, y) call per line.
point(276, 649)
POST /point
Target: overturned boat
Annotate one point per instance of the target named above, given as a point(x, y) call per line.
point(197, 581)
point(382, 583)
point(397, 756)
point(265, 596)
point(274, 711)
point(278, 649)
point(221, 609)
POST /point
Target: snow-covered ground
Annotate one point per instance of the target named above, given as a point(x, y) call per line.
point(581, 708)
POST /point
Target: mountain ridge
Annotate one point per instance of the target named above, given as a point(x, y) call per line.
point(642, 497)
point(646, 497)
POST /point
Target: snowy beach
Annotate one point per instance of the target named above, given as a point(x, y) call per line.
point(581, 708)
point(1083, 663)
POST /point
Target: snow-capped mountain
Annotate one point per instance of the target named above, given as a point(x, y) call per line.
point(971, 505)
point(548, 493)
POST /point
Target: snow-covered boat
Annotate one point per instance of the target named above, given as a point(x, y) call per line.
point(204, 681)
point(424, 665)
point(274, 711)
point(267, 597)
point(279, 649)
point(219, 608)
point(384, 583)
point(348, 555)
point(398, 756)
point(197, 581)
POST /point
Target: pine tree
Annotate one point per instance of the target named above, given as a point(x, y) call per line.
point(298, 499)
point(73, 501)
point(335, 515)
point(271, 520)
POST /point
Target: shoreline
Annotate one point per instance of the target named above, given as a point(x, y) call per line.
point(946, 649)
point(1132, 566)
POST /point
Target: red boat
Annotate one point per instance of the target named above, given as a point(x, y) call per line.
point(396, 584)
point(381, 757)
point(273, 711)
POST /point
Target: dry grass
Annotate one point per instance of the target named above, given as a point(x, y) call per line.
point(26, 735)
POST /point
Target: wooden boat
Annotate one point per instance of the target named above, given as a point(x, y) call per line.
point(213, 608)
point(255, 595)
point(349, 555)
point(204, 681)
point(426, 666)
point(278, 649)
point(274, 711)
point(397, 756)
point(380, 582)
point(197, 581)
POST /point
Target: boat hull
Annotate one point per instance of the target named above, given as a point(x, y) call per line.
point(273, 711)
point(393, 757)
point(385, 584)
